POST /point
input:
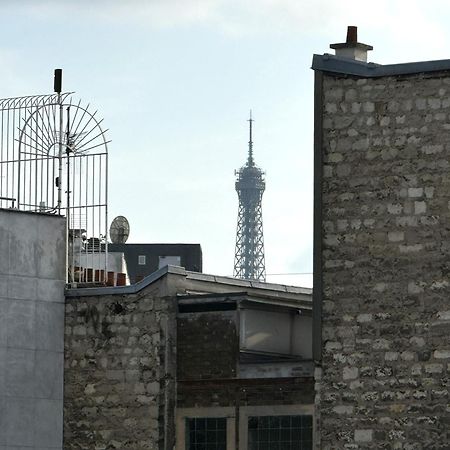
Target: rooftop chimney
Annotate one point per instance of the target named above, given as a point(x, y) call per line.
point(352, 48)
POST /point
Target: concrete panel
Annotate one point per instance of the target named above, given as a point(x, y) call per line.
point(31, 317)
point(4, 304)
point(50, 249)
point(20, 324)
point(50, 290)
point(50, 326)
point(2, 371)
point(22, 242)
point(19, 428)
point(48, 423)
point(48, 375)
point(22, 287)
point(19, 380)
point(3, 414)
point(4, 285)
point(4, 248)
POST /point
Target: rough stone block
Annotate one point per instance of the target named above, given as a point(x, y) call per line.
point(363, 435)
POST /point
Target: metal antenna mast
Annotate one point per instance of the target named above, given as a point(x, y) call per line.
point(249, 261)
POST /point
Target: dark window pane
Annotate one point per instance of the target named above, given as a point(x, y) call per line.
point(206, 434)
point(296, 434)
point(252, 436)
point(221, 436)
point(274, 422)
point(264, 435)
point(285, 421)
point(280, 433)
point(200, 436)
point(263, 422)
point(252, 423)
point(285, 434)
point(296, 421)
point(306, 421)
point(274, 435)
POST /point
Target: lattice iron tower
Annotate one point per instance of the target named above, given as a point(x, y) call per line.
point(250, 185)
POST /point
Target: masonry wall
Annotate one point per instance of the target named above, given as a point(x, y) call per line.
point(208, 345)
point(32, 278)
point(385, 262)
point(119, 387)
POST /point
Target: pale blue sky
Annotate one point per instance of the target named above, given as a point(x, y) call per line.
point(174, 81)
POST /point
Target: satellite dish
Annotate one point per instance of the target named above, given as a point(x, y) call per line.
point(119, 230)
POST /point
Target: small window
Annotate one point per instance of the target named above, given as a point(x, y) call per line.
point(280, 432)
point(141, 260)
point(206, 433)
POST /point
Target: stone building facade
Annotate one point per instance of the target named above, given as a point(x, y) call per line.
point(382, 252)
point(183, 360)
point(119, 368)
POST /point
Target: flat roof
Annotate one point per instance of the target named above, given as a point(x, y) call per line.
point(347, 66)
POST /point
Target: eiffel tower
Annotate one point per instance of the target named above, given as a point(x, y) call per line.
point(250, 185)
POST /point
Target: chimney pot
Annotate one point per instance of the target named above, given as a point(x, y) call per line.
point(352, 35)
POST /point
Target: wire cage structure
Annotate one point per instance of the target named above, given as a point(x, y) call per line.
point(54, 160)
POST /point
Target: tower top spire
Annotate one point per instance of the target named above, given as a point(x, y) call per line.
point(250, 161)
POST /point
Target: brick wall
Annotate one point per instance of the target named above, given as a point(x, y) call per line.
point(207, 345)
point(385, 261)
point(242, 392)
point(119, 374)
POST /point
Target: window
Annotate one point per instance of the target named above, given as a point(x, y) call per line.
point(207, 433)
point(141, 260)
point(280, 433)
point(169, 261)
point(278, 332)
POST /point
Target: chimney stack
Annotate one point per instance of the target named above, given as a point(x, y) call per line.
point(352, 49)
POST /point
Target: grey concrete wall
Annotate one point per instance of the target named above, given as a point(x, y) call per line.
point(32, 274)
point(385, 262)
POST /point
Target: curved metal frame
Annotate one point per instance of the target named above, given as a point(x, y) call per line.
point(28, 171)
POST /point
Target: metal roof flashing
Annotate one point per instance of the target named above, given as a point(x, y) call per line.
point(347, 66)
point(201, 277)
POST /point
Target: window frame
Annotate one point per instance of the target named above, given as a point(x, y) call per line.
point(229, 412)
point(182, 414)
point(271, 410)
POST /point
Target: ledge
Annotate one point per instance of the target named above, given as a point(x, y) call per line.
point(346, 66)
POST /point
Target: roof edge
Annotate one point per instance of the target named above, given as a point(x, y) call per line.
point(131, 289)
point(347, 66)
point(196, 276)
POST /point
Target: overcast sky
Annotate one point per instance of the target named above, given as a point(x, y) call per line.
point(174, 81)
